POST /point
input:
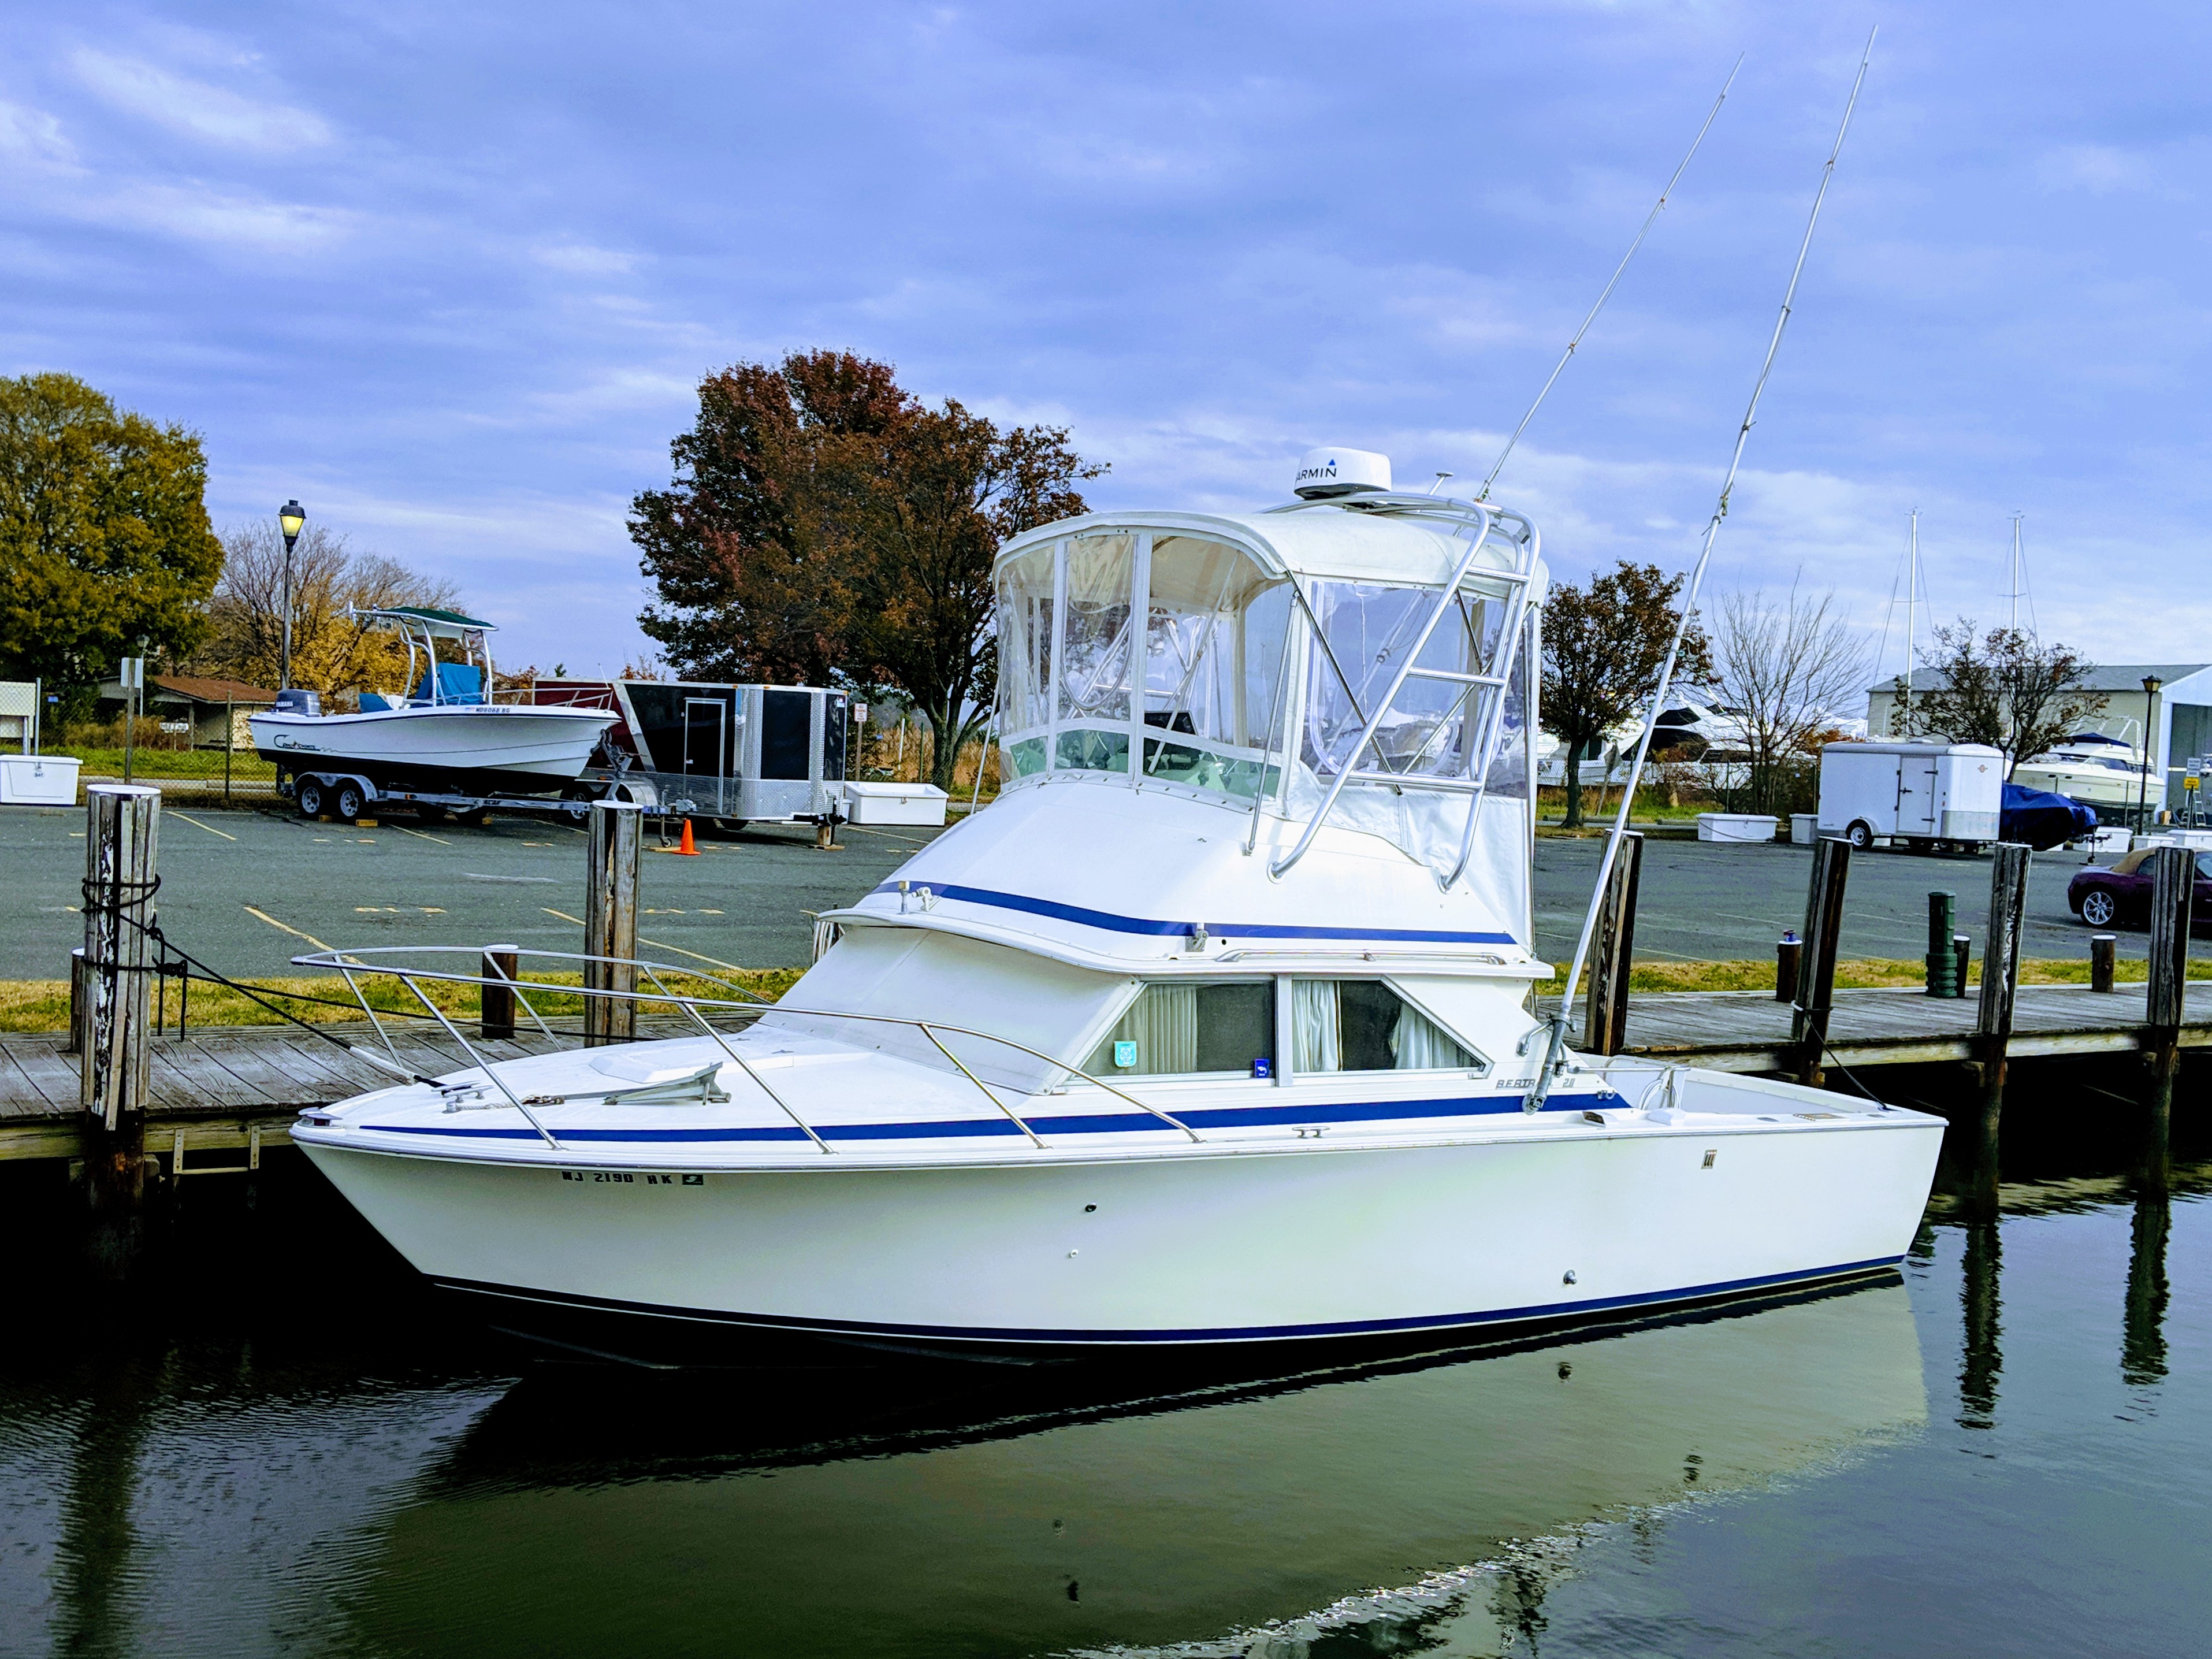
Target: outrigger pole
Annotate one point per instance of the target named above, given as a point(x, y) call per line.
point(1620, 270)
point(1555, 1056)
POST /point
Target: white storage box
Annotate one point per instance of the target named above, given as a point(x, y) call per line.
point(1803, 829)
point(896, 803)
point(2109, 841)
point(38, 780)
point(1736, 827)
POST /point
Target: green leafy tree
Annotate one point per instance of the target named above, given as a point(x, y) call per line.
point(1604, 646)
point(823, 526)
point(104, 533)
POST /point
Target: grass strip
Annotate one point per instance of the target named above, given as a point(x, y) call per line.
point(27, 1005)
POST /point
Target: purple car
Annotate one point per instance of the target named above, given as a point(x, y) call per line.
point(2107, 896)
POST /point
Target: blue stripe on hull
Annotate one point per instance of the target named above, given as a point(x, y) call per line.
point(1083, 1123)
point(1109, 922)
point(984, 1336)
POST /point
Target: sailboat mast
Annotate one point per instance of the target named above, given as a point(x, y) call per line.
point(1911, 593)
point(2015, 572)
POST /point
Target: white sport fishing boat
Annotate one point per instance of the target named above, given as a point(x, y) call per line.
point(2095, 768)
point(448, 737)
point(1220, 1027)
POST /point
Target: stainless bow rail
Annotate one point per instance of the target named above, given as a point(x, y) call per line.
point(377, 962)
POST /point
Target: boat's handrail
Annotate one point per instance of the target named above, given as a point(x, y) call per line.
point(372, 960)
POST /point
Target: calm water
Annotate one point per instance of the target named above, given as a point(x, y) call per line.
point(2008, 1451)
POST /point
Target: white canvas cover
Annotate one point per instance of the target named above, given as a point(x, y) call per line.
point(919, 974)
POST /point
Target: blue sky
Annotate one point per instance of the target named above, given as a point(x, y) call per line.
point(449, 274)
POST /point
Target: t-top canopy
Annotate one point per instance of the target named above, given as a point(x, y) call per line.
point(439, 625)
point(1391, 539)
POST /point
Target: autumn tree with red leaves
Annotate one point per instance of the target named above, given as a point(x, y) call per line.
point(825, 526)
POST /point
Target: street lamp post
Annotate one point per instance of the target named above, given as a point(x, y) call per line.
point(292, 518)
point(2150, 684)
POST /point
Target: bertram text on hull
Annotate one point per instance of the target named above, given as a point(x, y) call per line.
point(1218, 1027)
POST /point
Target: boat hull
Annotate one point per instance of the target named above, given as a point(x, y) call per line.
point(464, 749)
point(1321, 1244)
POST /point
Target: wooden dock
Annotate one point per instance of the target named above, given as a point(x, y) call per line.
point(236, 1089)
point(1749, 1031)
point(223, 1088)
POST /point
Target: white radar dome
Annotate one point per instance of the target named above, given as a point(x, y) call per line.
point(1326, 473)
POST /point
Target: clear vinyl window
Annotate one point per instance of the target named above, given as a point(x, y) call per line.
point(1363, 1025)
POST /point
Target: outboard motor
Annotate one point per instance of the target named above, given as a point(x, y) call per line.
point(294, 700)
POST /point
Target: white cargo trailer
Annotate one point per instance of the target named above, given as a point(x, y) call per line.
point(1924, 795)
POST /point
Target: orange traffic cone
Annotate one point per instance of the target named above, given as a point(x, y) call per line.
point(685, 846)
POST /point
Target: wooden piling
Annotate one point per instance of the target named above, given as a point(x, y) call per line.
point(495, 1006)
point(122, 825)
point(1605, 1013)
point(2173, 887)
point(78, 1000)
point(1816, 982)
point(2104, 960)
point(610, 920)
point(1993, 1023)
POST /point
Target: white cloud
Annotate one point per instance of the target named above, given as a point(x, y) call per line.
point(584, 259)
point(32, 135)
point(198, 109)
point(2099, 169)
point(204, 215)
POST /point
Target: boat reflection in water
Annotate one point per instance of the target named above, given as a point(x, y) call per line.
point(1014, 1509)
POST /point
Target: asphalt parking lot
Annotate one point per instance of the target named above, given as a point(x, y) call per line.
point(1703, 901)
point(247, 890)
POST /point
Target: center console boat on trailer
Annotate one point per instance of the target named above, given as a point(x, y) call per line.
point(444, 737)
point(1221, 1025)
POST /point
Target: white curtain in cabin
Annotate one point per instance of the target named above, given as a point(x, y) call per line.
point(1317, 1044)
point(1419, 1043)
point(1163, 1024)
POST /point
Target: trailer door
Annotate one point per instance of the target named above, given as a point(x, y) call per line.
point(1916, 796)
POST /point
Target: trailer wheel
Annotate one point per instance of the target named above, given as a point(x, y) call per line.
point(310, 798)
point(1860, 835)
point(577, 803)
point(350, 801)
point(730, 825)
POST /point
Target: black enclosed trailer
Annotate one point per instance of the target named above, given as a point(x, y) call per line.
point(738, 754)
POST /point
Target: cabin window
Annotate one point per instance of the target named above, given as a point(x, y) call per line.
point(1187, 1028)
point(1363, 1025)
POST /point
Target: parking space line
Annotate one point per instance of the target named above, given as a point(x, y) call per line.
point(712, 961)
point(419, 836)
point(283, 927)
point(196, 824)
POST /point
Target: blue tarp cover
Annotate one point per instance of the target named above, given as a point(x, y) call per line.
point(2042, 819)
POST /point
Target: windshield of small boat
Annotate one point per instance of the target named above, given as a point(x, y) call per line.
point(1197, 669)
